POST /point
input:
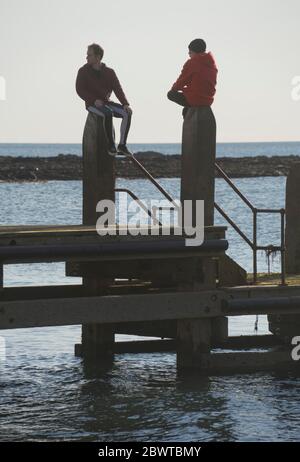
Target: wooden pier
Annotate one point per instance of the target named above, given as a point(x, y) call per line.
point(150, 285)
point(187, 307)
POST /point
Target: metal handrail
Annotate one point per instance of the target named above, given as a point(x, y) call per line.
point(141, 204)
point(253, 244)
point(255, 211)
point(152, 179)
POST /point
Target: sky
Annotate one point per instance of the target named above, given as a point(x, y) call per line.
point(256, 45)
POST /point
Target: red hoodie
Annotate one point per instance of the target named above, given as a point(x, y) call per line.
point(198, 80)
point(92, 85)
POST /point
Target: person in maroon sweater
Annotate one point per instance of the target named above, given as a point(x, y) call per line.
point(94, 84)
point(196, 85)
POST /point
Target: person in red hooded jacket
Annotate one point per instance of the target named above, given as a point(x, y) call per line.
point(196, 85)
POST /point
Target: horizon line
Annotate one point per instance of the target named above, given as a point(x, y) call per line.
point(154, 142)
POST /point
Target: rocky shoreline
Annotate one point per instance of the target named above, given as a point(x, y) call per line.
point(69, 167)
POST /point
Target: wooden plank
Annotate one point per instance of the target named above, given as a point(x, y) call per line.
point(38, 292)
point(245, 362)
point(71, 229)
point(71, 234)
point(270, 305)
point(151, 346)
point(265, 291)
point(242, 342)
point(174, 269)
point(108, 309)
point(137, 346)
point(120, 308)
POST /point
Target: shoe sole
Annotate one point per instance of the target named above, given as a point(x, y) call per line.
point(125, 153)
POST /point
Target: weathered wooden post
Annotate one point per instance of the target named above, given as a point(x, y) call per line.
point(194, 337)
point(98, 184)
point(287, 326)
point(198, 160)
point(292, 234)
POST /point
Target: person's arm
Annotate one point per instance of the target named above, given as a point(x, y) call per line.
point(82, 90)
point(184, 78)
point(118, 90)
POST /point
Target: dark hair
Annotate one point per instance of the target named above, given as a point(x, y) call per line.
point(197, 45)
point(98, 51)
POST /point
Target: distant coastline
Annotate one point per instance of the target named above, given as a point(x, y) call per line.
point(69, 166)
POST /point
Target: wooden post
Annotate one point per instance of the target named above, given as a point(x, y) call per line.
point(288, 326)
point(292, 236)
point(193, 344)
point(198, 159)
point(98, 184)
point(98, 168)
point(1, 277)
point(198, 183)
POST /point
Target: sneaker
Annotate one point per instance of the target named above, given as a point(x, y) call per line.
point(112, 150)
point(122, 149)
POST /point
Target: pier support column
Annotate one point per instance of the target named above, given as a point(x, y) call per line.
point(288, 326)
point(292, 237)
point(98, 184)
point(193, 344)
point(198, 183)
point(1, 276)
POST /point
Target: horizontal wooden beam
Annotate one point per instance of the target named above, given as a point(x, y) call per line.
point(77, 290)
point(106, 251)
point(170, 344)
point(261, 291)
point(245, 342)
point(71, 234)
point(137, 346)
point(108, 309)
point(234, 363)
point(271, 305)
point(42, 292)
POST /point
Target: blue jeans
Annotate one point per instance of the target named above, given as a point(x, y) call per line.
point(108, 111)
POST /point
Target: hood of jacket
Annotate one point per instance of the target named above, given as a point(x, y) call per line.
point(204, 59)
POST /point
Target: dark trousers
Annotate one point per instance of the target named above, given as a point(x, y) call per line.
point(179, 98)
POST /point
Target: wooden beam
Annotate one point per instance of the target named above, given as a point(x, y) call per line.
point(108, 309)
point(72, 234)
point(263, 291)
point(234, 363)
point(270, 305)
point(38, 292)
point(137, 346)
point(242, 342)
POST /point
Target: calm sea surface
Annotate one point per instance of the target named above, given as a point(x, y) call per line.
point(47, 394)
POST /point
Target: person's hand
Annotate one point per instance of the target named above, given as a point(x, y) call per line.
point(98, 103)
point(127, 108)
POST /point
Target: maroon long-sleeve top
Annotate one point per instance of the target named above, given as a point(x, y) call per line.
point(92, 85)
